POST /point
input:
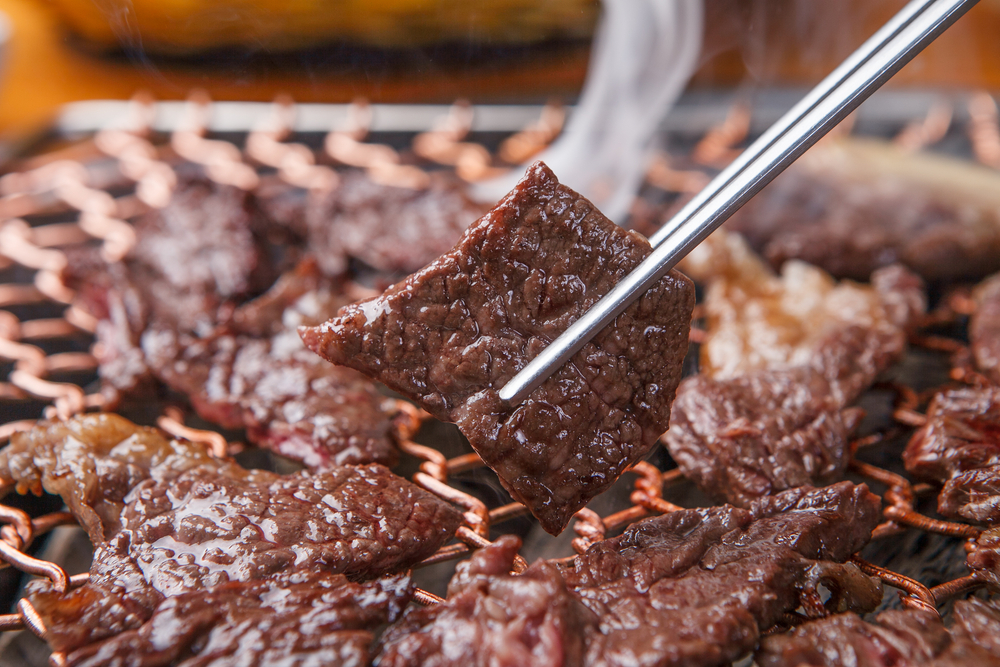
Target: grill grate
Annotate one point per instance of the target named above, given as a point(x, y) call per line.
point(61, 201)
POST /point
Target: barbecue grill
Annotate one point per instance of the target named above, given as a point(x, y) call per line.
point(112, 166)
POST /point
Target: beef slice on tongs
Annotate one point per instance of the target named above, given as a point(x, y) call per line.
point(451, 335)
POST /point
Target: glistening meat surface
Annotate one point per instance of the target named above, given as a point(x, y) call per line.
point(169, 520)
point(899, 637)
point(299, 619)
point(255, 373)
point(451, 335)
point(959, 447)
point(693, 587)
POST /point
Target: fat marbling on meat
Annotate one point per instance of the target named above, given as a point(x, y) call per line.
point(452, 334)
point(853, 206)
point(784, 357)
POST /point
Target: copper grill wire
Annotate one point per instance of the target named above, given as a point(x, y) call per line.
point(58, 185)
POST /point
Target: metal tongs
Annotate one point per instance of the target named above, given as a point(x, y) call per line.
point(875, 62)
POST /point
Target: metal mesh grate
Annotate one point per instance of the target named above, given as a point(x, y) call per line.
point(65, 199)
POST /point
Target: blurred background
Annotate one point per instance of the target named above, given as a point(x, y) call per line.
point(422, 50)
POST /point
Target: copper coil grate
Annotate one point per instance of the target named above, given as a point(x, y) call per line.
point(79, 187)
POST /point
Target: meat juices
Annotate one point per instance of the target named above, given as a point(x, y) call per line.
point(984, 328)
point(854, 206)
point(306, 618)
point(693, 587)
point(959, 446)
point(93, 461)
point(492, 618)
point(898, 637)
point(188, 522)
point(783, 359)
point(451, 335)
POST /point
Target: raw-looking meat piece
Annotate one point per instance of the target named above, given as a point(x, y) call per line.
point(255, 373)
point(959, 446)
point(898, 637)
point(854, 206)
point(294, 620)
point(389, 228)
point(531, 620)
point(208, 528)
point(451, 335)
point(984, 328)
point(693, 587)
point(783, 359)
point(93, 461)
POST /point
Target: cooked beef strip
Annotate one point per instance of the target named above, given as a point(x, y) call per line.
point(756, 434)
point(984, 328)
point(192, 261)
point(206, 528)
point(255, 373)
point(531, 620)
point(240, 365)
point(693, 587)
point(452, 334)
point(199, 252)
point(854, 206)
point(297, 619)
point(390, 228)
point(784, 358)
point(959, 446)
point(93, 461)
point(898, 637)
point(984, 559)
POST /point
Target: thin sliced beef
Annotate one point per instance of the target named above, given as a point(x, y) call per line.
point(854, 206)
point(392, 229)
point(984, 558)
point(192, 261)
point(759, 433)
point(255, 373)
point(204, 529)
point(899, 637)
point(452, 334)
point(93, 461)
point(294, 620)
point(494, 619)
point(984, 328)
point(693, 587)
point(784, 358)
point(959, 447)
